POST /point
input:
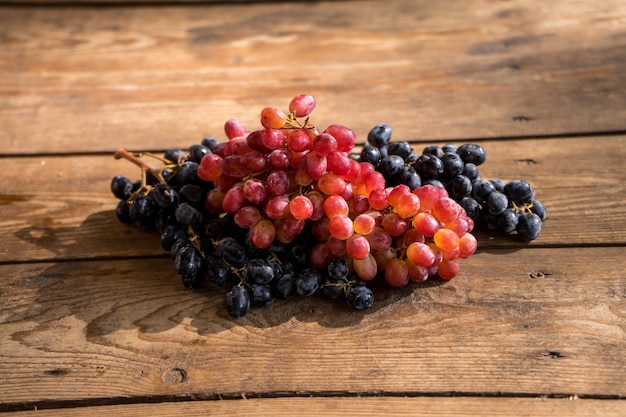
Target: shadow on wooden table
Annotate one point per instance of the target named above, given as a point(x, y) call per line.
point(94, 282)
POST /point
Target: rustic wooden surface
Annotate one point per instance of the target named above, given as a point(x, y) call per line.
point(93, 319)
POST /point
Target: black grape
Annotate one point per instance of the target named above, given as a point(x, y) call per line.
point(259, 271)
point(359, 297)
point(529, 226)
point(121, 187)
point(379, 136)
point(308, 282)
point(261, 295)
point(237, 301)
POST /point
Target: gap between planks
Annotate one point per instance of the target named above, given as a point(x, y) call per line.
point(356, 406)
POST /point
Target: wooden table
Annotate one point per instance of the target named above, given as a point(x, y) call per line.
point(94, 320)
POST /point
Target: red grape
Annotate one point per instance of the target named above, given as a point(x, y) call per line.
point(301, 207)
point(273, 118)
point(302, 105)
point(234, 128)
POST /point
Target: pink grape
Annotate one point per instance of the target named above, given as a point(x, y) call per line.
point(317, 199)
point(373, 181)
point(234, 199)
point(247, 216)
point(383, 257)
point(357, 246)
point(298, 140)
point(364, 224)
point(232, 166)
point(254, 161)
point(417, 273)
point(428, 195)
point(241, 147)
point(448, 269)
point(358, 204)
point(320, 229)
point(338, 163)
point(316, 165)
point(335, 205)
point(336, 247)
point(365, 168)
point(426, 224)
point(407, 205)
point(347, 193)
point(451, 254)
point(214, 200)
point(301, 176)
point(277, 183)
point(354, 172)
point(296, 156)
point(396, 192)
point(324, 144)
point(279, 159)
point(420, 254)
point(378, 199)
point(437, 252)
point(302, 105)
point(234, 128)
point(377, 215)
point(262, 233)
point(210, 168)
point(273, 118)
point(345, 137)
point(277, 207)
point(379, 239)
point(281, 234)
point(273, 138)
point(413, 235)
point(467, 245)
point(232, 143)
point(219, 149)
point(226, 182)
point(365, 268)
point(320, 258)
point(446, 239)
point(397, 273)
point(340, 226)
point(447, 210)
point(394, 224)
point(301, 207)
point(255, 142)
point(254, 190)
point(331, 184)
point(293, 226)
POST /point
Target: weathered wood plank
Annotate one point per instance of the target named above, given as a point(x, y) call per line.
point(57, 207)
point(91, 79)
point(120, 329)
point(357, 407)
point(118, 2)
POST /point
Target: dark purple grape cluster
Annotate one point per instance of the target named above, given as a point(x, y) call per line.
point(510, 207)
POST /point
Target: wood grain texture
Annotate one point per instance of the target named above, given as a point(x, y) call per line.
point(356, 407)
point(93, 79)
point(93, 318)
point(124, 329)
point(134, 2)
point(75, 219)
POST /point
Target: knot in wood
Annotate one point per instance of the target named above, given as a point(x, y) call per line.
point(538, 274)
point(174, 376)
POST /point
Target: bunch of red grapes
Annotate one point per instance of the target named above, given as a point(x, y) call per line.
point(289, 209)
